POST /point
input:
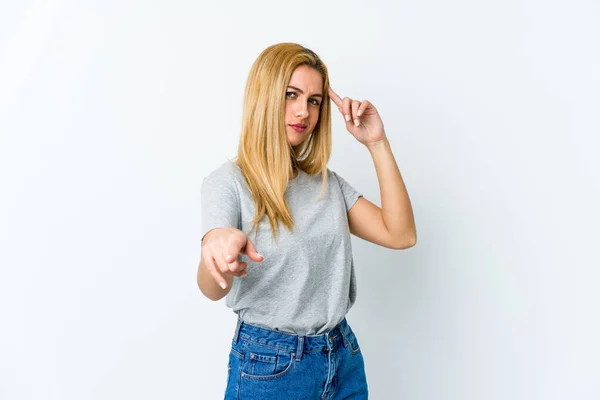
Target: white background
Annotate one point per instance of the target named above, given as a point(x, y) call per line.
point(112, 112)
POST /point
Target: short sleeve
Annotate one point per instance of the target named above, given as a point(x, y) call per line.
point(219, 202)
point(350, 194)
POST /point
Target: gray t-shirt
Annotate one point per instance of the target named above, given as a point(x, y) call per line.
point(306, 283)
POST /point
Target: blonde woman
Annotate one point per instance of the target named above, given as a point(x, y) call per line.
point(276, 226)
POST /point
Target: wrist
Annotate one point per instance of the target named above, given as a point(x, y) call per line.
point(380, 144)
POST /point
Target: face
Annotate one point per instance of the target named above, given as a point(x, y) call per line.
point(303, 98)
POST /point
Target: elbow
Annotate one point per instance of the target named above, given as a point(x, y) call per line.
point(212, 298)
point(406, 242)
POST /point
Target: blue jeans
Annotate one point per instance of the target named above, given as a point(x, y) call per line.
point(265, 364)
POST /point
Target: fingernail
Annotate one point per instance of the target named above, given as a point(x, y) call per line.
point(356, 122)
point(244, 275)
point(359, 113)
point(347, 118)
point(223, 285)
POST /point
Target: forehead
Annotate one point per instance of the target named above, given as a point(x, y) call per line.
point(308, 79)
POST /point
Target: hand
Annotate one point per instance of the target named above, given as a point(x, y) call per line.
point(362, 119)
point(220, 250)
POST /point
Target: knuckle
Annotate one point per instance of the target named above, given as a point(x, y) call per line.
point(223, 268)
point(233, 267)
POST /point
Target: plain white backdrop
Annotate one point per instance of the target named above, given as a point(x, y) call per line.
point(112, 112)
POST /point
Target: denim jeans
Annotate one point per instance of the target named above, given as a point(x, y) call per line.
point(266, 364)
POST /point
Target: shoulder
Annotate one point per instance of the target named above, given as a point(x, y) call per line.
point(227, 176)
point(336, 177)
point(333, 179)
point(332, 174)
point(227, 171)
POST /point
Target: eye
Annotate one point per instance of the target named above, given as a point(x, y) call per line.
point(290, 94)
point(315, 102)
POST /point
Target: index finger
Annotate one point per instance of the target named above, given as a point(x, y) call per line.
point(214, 271)
point(333, 96)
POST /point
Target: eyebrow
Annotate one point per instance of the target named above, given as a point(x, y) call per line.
point(300, 90)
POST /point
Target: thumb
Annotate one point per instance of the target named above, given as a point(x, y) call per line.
point(251, 252)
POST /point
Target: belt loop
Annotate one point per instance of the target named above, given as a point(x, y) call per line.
point(300, 348)
point(236, 335)
point(342, 327)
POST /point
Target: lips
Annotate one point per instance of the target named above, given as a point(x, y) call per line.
point(298, 127)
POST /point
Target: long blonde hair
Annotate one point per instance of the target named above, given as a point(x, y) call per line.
point(265, 157)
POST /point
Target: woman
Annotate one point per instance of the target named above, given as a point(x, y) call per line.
point(292, 285)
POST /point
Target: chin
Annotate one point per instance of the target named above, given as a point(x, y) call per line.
point(295, 142)
point(294, 138)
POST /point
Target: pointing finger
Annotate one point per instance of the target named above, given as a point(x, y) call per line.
point(334, 97)
point(214, 271)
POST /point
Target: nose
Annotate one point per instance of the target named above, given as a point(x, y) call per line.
point(301, 109)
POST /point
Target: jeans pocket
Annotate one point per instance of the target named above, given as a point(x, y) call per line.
point(233, 367)
point(262, 362)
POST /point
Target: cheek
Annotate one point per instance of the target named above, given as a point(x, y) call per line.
point(314, 117)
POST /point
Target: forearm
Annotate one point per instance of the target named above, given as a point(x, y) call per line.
point(396, 208)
